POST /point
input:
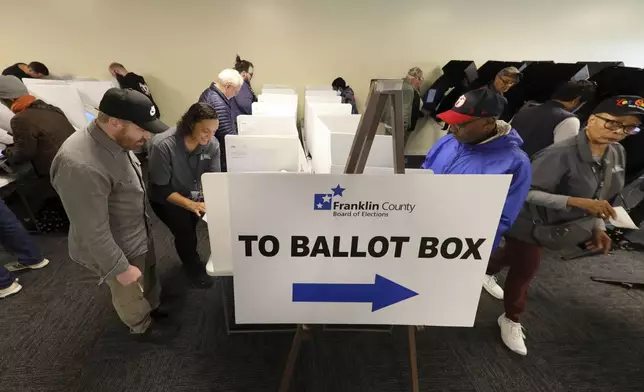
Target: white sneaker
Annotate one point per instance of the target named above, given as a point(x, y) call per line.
point(512, 335)
point(40, 265)
point(492, 287)
point(14, 288)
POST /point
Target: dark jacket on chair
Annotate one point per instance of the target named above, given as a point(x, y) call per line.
point(227, 126)
point(38, 133)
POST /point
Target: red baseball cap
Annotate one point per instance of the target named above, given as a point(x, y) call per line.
point(474, 104)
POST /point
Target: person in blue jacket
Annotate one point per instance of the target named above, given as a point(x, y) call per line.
point(219, 96)
point(243, 101)
point(479, 143)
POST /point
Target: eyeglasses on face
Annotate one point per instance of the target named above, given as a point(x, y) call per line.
point(618, 127)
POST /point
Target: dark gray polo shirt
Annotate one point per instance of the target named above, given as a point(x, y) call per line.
point(173, 169)
point(568, 169)
point(101, 187)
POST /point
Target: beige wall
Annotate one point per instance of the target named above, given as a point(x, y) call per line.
point(180, 45)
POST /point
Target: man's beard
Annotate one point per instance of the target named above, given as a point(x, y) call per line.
point(127, 143)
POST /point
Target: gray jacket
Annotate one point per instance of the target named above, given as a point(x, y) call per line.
point(101, 187)
point(567, 169)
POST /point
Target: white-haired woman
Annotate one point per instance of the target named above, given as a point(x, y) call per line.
point(218, 95)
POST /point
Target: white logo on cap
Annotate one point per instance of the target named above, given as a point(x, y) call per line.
point(153, 111)
point(460, 102)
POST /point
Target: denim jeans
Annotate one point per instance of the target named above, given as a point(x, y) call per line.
point(17, 241)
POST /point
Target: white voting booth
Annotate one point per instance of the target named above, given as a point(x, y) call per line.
point(65, 97)
point(264, 153)
point(266, 125)
point(91, 92)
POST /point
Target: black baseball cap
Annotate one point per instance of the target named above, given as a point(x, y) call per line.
point(622, 105)
point(474, 104)
point(131, 105)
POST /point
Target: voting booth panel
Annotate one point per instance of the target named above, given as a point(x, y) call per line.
point(64, 97)
point(381, 154)
point(266, 125)
point(278, 91)
point(324, 98)
point(321, 93)
point(314, 109)
point(91, 92)
point(318, 88)
point(52, 82)
point(353, 249)
point(256, 153)
point(273, 109)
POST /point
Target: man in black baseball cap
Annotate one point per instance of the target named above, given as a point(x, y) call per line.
point(100, 183)
point(131, 115)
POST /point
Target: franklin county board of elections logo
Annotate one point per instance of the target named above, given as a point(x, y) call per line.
point(342, 206)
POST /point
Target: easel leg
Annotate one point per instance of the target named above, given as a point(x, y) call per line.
point(413, 363)
point(292, 359)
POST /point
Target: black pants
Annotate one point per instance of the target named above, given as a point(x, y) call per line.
point(183, 226)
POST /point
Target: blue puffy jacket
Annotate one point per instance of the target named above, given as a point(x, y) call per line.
point(242, 103)
point(215, 98)
point(502, 155)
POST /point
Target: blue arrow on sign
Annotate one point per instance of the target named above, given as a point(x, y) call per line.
point(382, 293)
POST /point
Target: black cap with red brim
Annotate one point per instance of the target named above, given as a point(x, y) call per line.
point(474, 104)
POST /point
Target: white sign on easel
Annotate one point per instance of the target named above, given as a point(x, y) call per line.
point(345, 249)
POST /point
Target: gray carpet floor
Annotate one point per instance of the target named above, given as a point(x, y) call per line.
point(61, 334)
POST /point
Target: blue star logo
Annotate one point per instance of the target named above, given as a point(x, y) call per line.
point(337, 191)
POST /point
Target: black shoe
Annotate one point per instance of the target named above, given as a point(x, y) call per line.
point(158, 333)
point(201, 281)
point(159, 313)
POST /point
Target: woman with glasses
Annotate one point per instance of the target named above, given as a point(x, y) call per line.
point(573, 184)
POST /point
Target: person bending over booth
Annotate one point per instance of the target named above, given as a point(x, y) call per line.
point(346, 92)
point(132, 81)
point(177, 159)
point(218, 96)
point(101, 185)
point(542, 125)
point(242, 103)
point(34, 70)
point(481, 144)
point(39, 129)
point(573, 182)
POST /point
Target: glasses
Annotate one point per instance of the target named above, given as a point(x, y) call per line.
point(619, 127)
point(508, 81)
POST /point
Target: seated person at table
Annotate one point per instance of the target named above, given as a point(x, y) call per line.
point(39, 129)
point(132, 81)
point(219, 96)
point(346, 92)
point(242, 103)
point(479, 143)
point(177, 159)
point(572, 182)
point(34, 70)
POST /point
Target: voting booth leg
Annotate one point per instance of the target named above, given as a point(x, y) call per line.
point(413, 362)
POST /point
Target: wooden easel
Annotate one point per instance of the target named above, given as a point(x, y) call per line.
point(380, 92)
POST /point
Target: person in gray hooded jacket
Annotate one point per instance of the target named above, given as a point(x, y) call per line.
point(573, 184)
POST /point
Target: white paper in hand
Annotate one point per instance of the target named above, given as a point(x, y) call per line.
point(203, 217)
point(623, 220)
